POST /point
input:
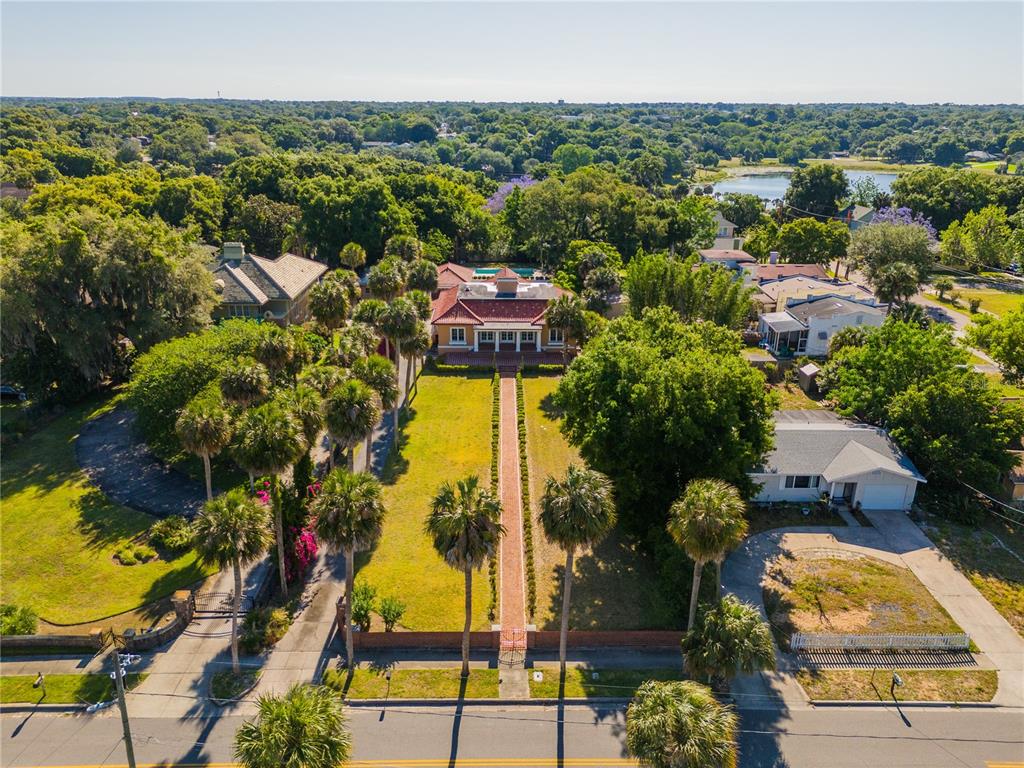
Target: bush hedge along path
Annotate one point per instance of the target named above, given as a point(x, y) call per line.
point(513, 608)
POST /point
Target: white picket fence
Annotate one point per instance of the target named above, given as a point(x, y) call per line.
point(811, 641)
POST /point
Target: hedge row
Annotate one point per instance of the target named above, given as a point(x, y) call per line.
point(524, 479)
point(492, 565)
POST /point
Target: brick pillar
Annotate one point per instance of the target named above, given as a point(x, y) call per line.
point(184, 606)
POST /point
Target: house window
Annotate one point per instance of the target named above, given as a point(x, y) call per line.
point(486, 336)
point(802, 481)
point(555, 336)
point(528, 336)
point(458, 336)
point(509, 336)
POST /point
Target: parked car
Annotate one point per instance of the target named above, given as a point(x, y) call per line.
point(9, 393)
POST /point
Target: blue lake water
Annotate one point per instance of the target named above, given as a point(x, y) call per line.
point(772, 186)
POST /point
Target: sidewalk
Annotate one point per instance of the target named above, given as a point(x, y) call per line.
point(513, 606)
point(894, 539)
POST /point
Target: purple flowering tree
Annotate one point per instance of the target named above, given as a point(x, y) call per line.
point(496, 202)
point(905, 216)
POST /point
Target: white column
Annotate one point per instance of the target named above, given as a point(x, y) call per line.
point(476, 340)
point(536, 338)
point(519, 338)
point(497, 340)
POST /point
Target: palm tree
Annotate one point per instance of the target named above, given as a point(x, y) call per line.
point(680, 725)
point(322, 378)
point(566, 314)
point(400, 323)
point(895, 283)
point(351, 413)
point(305, 728)
point(275, 351)
point(465, 526)
point(707, 521)
point(349, 516)
point(379, 374)
point(328, 301)
point(306, 405)
point(269, 440)
point(730, 638)
point(352, 255)
point(234, 530)
point(386, 278)
point(245, 383)
point(576, 511)
point(204, 428)
point(417, 347)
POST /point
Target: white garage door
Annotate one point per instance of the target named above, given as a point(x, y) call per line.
point(883, 496)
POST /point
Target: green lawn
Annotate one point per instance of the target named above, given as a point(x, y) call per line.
point(614, 585)
point(587, 683)
point(62, 689)
point(371, 683)
point(793, 398)
point(447, 436)
point(990, 167)
point(976, 550)
point(1004, 389)
point(918, 684)
point(849, 595)
point(761, 518)
point(995, 301)
point(60, 534)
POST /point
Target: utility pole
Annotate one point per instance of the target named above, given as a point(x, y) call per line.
point(118, 675)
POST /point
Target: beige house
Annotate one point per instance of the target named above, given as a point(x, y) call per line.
point(776, 295)
point(503, 314)
point(264, 289)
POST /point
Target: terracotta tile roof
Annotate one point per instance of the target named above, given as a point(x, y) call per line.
point(505, 310)
point(506, 274)
point(763, 272)
point(450, 273)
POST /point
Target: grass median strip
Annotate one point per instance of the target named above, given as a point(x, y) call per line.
point(372, 683)
point(587, 683)
point(918, 684)
point(62, 689)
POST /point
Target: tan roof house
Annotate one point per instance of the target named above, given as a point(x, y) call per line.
point(776, 295)
point(503, 313)
point(264, 289)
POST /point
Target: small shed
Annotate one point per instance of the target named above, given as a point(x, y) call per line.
point(808, 378)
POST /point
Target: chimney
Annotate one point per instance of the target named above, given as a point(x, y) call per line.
point(773, 257)
point(233, 252)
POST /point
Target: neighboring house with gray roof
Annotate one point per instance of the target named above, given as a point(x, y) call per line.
point(264, 289)
point(808, 327)
point(817, 452)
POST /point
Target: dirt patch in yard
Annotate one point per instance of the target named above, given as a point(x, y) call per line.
point(824, 591)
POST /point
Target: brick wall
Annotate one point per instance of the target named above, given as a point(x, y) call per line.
point(548, 640)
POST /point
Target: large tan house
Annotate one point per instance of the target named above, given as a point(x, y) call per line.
point(502, 313)
point(265, 289)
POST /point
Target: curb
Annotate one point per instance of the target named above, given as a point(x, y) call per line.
point(14, 709)
point(377, 703)
point(835, 703)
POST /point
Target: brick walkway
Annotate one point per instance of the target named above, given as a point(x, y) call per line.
point(513, 609)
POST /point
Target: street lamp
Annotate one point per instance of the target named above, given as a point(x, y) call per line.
point(897, 682)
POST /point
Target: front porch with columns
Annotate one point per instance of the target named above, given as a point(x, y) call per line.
point(505, 339)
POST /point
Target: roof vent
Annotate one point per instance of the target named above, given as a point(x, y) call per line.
point(232, 252)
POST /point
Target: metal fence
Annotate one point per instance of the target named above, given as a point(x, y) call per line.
point(810, 641)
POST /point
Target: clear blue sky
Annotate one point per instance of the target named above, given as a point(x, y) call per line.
point(967, 52)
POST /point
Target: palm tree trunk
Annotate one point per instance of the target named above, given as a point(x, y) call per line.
point(352, 458)
point(209, 476)
point(350, 579)
point(252, 482)
point(469, 618)
point(279, 530)
point(236, 606)
point(408, 372)
point(837, 269)
point(718, 579)
point(330, 453)
point(369, 450)
point(400, 401)
point(566, 592)
point(697, 567)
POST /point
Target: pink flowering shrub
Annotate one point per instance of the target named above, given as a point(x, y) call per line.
point(302, 554)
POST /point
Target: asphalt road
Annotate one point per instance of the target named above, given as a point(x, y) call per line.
point(501, 737)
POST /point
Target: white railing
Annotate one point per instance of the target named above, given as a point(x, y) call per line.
point(810, 641)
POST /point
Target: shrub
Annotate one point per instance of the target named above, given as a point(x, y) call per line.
point(974, 305)
point(391, 611)
point(527, 512)
point(364, 603)
point(492, 565)
point(263, 628)
point(17, 620)
point(954, 297)
point(771, 372)
point(173, 533)
point(133, 554)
